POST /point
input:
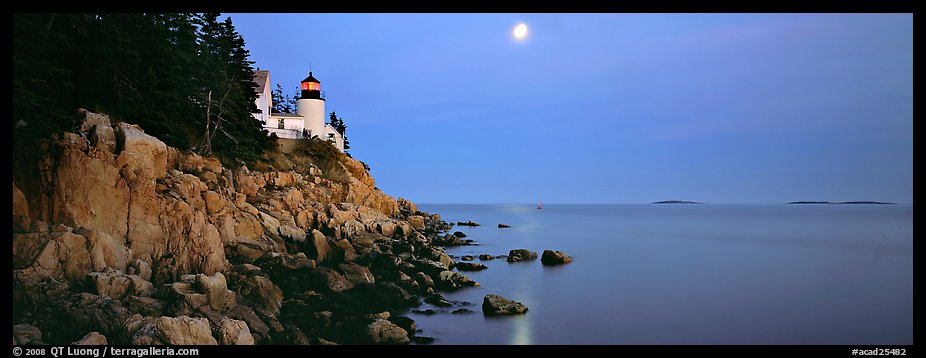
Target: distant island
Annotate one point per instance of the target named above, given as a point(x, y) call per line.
point(844, 202)
point(676, 202)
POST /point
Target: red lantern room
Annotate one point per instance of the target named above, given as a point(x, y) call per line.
point(311, 88)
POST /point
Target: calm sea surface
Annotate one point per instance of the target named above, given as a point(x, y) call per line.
point(688, 274)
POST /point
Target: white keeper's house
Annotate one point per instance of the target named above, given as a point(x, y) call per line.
point(309, 119)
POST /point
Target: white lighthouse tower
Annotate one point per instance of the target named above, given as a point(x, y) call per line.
point(311, 106)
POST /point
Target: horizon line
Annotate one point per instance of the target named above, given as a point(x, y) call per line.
point(650, 203)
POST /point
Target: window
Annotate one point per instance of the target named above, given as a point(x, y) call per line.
point(280, 123)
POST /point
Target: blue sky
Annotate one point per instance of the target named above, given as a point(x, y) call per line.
point(611, 108)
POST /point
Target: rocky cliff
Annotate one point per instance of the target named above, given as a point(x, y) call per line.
point(118, 234)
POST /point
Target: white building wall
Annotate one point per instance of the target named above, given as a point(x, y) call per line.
point(338, 138)
point(263, 103)
point(313, 113)
point(292, 127)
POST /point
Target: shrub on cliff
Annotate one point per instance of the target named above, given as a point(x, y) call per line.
point(325, 156)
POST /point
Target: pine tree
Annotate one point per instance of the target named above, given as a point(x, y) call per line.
point(156, 70)
point(281, 103)
point(339, 126)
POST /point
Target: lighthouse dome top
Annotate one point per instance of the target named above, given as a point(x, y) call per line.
point(311, 78)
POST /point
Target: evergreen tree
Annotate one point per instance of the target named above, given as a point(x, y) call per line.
point(281, 103)
point(339, 126)
point(295, 98)
point(156, 70)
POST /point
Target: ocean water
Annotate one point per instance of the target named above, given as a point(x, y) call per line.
point(687, 274)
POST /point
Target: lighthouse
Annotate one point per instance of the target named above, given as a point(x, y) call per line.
point(311, 106)
point(307, 122)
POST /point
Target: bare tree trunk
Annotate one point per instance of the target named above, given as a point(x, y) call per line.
point(218, 120)
point(205, 148)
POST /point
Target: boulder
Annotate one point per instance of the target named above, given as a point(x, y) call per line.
point(381, 331)
point(214, 202)
point(469, 266)
point(417, 221)
point(233, 332)
point(293, 234)
point(317, 247)
point(407, 207)
point(389, 294)
point(85, 311)
point(424, 280)
point(200, 293)
point(347, 250)
point(450, 280)
point(212, 165)
point(467, 258)
point(519, 255)
point(430, 268)
point(357, 274)
point(486, 257)
point(503, 226)
point(551, 257)
point(286, 270)
point(459, 234)
point(438, 300)
point(494, 305)
point(143, 154)
point(25, 333)
point(140, 268)
point(333, 280)
point(64, 256)
point(258, 328)
point(406, 323)
point(118, 285)
point(260, 291)
point(99, 130)
point(92, 339)
point(181, 330)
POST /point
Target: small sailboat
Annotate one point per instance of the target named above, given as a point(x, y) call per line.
point(539, 205)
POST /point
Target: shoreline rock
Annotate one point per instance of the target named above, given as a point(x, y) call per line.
point(551, 257)
point(141, 243)
point(519, 255)
point(495, 305)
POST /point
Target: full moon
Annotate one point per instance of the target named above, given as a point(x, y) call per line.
point(520, 31)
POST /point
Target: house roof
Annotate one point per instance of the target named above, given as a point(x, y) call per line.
point(278, 114)
point(261, 77)
point(331, 129)
point(311, 78)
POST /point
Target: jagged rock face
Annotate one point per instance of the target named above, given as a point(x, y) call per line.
point(86, 188)
point(120, 230)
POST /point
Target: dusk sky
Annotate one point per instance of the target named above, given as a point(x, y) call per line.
point(611, 108)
